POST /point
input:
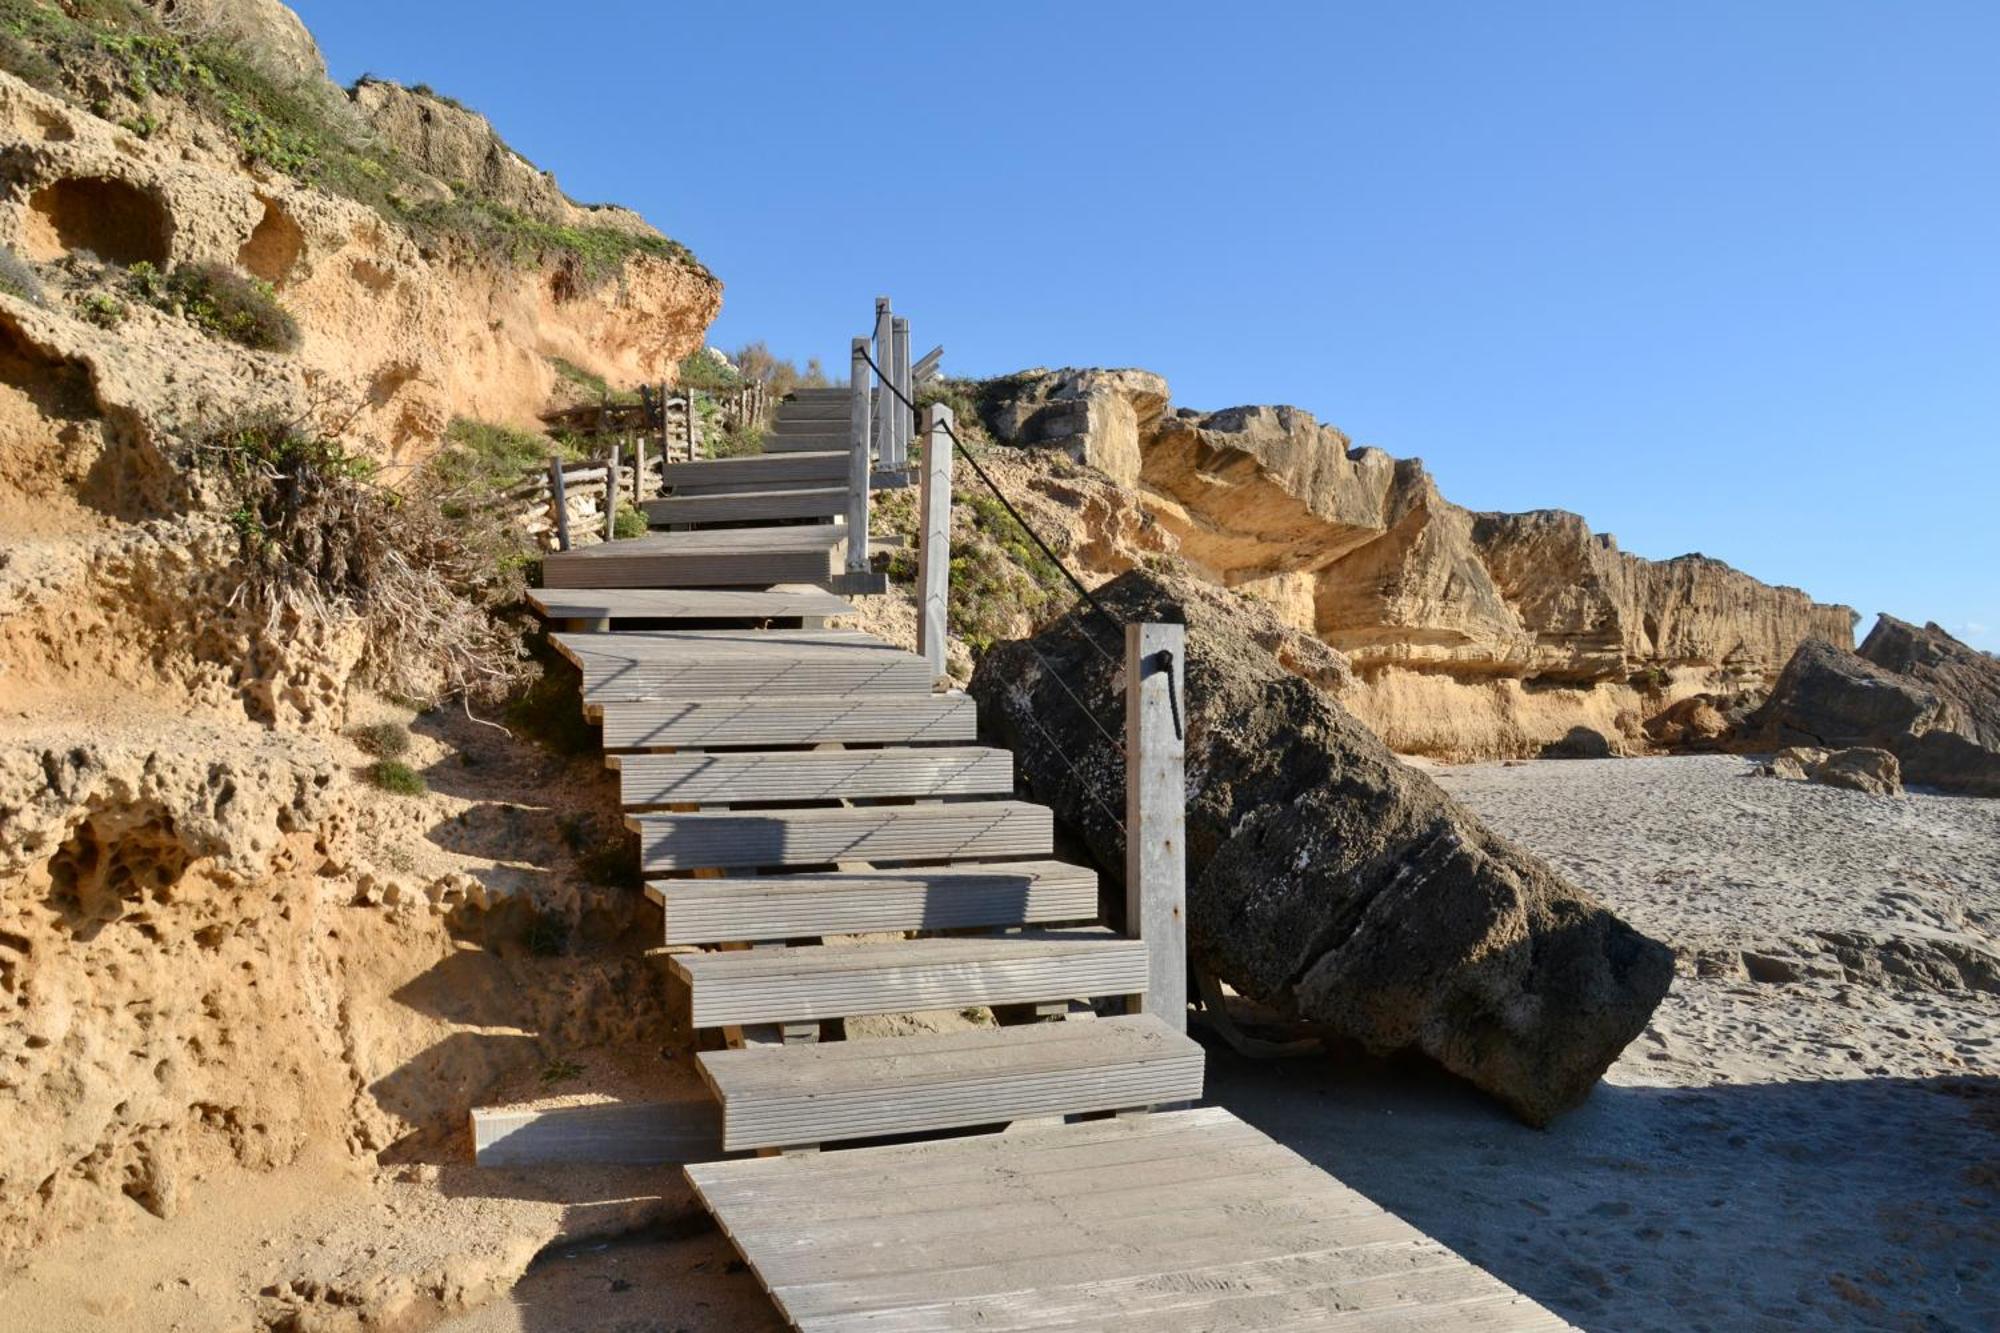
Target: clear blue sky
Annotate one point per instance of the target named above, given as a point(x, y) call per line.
point(1718, 276)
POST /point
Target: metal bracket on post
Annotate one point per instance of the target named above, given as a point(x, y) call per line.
point(899, 366)
point(1156, 815)
point(934, 538)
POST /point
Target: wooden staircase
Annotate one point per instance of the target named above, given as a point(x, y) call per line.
point(827, 841)
point(794, 786)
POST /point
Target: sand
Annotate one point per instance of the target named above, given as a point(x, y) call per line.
point(1815, 1152)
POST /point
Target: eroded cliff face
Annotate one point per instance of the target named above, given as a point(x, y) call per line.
point(1469, 634)
point(225, 954)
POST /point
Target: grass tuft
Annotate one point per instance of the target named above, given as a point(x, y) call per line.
point(397, 778)
point(384, 740)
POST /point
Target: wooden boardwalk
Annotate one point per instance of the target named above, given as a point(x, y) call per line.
point(827, 840)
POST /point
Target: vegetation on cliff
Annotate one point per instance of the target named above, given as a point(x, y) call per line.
point(118, 60)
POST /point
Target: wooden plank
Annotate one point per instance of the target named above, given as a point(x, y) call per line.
point(898, 1085)
point(827, 981)
point(1156, 812)
point(739, 664)
point(828, 465)
point(775, 720)
point(824, 836)
point(793, 775)
point(778, 444)
point(1183, 1220)
point(748, 506)
point(618, 1133)
point(718, 557)
point(786, 603)
point(849, 902)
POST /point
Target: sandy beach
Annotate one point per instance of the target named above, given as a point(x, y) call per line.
point(1817, 1151)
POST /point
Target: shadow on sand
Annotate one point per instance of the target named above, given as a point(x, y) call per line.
point(1871, 1203)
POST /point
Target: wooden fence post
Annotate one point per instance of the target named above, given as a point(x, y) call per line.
point(899, 366)
point(934, 536)
point(612, 485)
point(858, 467)
point(693, 427)
point(885, 339)
point(1156, 814)
point(559, 502)
point(638, 468)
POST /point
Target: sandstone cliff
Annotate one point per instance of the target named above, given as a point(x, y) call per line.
point(224, 949)
point(1470, 634)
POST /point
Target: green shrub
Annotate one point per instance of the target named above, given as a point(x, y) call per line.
point(547, 711)
point(397, 778)
point(628, 522)
point(590, 255)
point(699, 370)
point(18, 279)
point(593, 386)
point(384, 740)
point(561, 1070)
point(480, 458)
point(220, 302)
point(102, 309)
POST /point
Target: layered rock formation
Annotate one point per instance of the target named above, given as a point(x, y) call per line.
point(1470, 634)
point(1326, 877)
point(1965, 680)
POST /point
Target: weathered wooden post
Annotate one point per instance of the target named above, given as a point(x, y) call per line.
point(666, 437)
point(934, 537)
point(693, 428)
point(899, 366)
point(885, 338)
point(559, 502)
point(858, 472)
point(638, 468)
point(1156, 814)
point(612, 485)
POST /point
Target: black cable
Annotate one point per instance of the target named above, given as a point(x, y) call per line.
point(1000, 495)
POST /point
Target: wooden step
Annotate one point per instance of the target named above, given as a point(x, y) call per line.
point(824, 836)
point(740, 986)
point(876, 719)
point(683, 664)
point(810, 422)
point(779, 1096)
point(812, 775)
point(727, 557)
point(614, 604)
point(853, 902)
point(747, 506)
point(792, 444)
point(840, 413)
point(1165, 1223)
point(826, 465)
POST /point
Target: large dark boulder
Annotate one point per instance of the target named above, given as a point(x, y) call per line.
point(1325, 876)
point(1965, 680)
point(1835, 699)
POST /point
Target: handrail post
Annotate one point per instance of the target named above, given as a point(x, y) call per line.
point(934, 538)
point(693, 426)
point(858, 470)
point(612, 485)
point(1156, 814)
point(559, 502)
point(885, 416)
point(899, 366)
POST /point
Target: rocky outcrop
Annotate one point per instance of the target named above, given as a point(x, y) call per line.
point(1872, 772)
point(1965, 680)
point(1470, 634)
point(1327, 878)
point(1835, 699)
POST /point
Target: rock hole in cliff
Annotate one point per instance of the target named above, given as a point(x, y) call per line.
point(109, 862)
point(112, 219)
point(275, 244)
point(58, 388)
